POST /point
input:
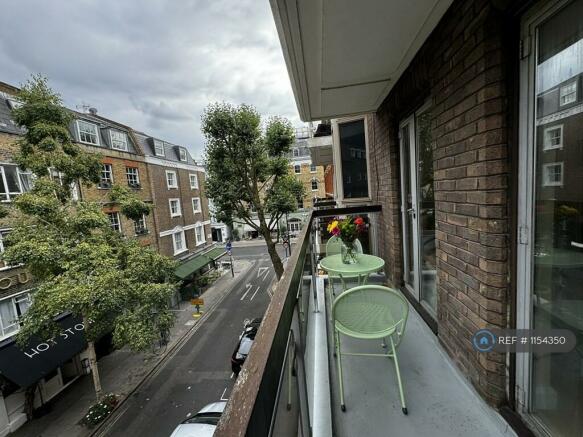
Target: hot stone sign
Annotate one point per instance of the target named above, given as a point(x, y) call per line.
point(27, 365)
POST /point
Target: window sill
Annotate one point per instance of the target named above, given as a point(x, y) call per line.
point(7, 336)
point(200, 244)
point(2, 269)
point(175, 215)
point(180, 251)
point(173, 188)
point(90, 144)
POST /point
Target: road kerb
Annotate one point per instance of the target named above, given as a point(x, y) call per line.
point(118, 411)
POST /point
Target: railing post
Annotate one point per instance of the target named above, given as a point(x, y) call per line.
point(314, 259)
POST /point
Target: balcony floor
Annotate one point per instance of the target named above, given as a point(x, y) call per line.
point(439, 400)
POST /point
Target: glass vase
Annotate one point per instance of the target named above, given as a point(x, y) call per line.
point(348, 253)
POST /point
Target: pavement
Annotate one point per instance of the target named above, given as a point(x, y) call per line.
point(122, 372)
point(199, 371)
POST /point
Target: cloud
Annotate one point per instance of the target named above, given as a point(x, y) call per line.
point(153, 65)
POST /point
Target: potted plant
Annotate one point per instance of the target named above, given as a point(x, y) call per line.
point(347, 230)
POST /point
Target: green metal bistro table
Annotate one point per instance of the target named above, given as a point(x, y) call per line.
point(365, 265)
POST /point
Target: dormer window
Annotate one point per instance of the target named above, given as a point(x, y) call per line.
point(158, 148)
point(119, 140)
point(88, 133)
point(14, 104)
point(182, 154)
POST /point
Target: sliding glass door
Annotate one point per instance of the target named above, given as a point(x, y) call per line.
point(418, 208)
point(550, 281)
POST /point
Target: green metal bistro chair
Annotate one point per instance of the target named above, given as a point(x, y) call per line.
point(370, 312)
point(333, 247)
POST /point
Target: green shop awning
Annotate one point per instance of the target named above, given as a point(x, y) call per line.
point(196, 263)
point(215, 253)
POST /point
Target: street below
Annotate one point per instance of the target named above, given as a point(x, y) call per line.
point(199, 371)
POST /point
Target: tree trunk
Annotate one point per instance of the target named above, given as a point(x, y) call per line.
point(275, 259)
point(94, 370)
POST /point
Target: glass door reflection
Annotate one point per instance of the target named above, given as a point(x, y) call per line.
point(557, 250)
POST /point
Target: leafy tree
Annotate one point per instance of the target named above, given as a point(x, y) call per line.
point(247, 169)
point(82, 266)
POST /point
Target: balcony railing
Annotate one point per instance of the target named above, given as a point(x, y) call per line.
point(289, 385)
point(270, 396)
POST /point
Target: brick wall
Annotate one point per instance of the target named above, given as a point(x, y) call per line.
point(462, 70)
point(305, 177)
point(119, 161)
point(162, 194)
point(17, 279)
point(8, 146)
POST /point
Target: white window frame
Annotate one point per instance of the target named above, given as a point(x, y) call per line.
point(295, 152)
point(115, 214)
point(563, 93)
point(104, 170)
point(313, 168)
point(182, 154)
point(337, 157)
point(114, 141)
point(182, 241)
point(191, 177)
point(10, 194)
point(296, 168)
point(137, 176)
point(547, 144)
point(14, 298)
point(199, 209)
point(179, 212)
point(526, 188)
point(98, 143)
point(159, 145)
point(312, 184)
point(144, 227)
point(199, 227)
point(546, 181)
point(175, 185)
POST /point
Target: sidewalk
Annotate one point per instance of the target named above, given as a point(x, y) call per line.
point(122, 370)
point(257, 242)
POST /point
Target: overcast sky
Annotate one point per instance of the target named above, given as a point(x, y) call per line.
point(151, 64)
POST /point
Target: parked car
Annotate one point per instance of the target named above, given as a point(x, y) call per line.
point(203, 423)
point(243, 347)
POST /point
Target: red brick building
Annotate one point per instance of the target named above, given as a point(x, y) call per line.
point(181, 210)
point(461, 119)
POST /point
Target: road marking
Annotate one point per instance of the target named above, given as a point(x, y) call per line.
point(189, 323)
point(249, 287)
point(111, 420)
point(232, 374)
point(260, 271)
point(255, 293)
point(223, 395)
point(266, 275)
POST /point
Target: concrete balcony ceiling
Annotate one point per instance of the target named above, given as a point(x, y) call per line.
point(344, 56)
